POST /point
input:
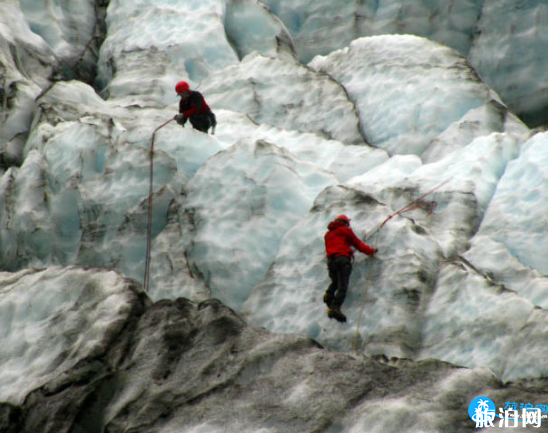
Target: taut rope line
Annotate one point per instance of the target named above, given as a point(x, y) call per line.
point(415, 204)
point(149, 211)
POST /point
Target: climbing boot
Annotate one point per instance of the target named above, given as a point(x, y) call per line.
point(335, 313)
point(328, 299)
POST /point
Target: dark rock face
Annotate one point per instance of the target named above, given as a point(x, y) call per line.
point(179, 366)
point(10, 418)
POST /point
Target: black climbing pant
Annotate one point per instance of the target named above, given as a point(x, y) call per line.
point(202, 122)
point(340, 268)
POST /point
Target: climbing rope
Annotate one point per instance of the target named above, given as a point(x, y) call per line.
point(149, 212)
point(415, 204)
point(364, 296)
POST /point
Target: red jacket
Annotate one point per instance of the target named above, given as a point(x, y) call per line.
point(340, 238)
point(194, 104)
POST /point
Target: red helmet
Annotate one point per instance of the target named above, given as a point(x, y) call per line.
point(181, 86)
point(343, 218)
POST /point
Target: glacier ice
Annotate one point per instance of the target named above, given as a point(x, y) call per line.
point(26, 65)
point(53, 319)
point(379, 69)
point(67, 28)
point(507, 52)
point(508, 247)
point(328, 154)
point(264, 32)
point(502, 325)
point(287, 95)
point(88, 176)
point(314, 120)
point(171, 366)
point(147, 49)
point(511, 217)
point(504, 40)
point(322, 27)
point(239, 216)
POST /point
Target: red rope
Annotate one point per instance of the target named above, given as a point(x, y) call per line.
point(415, 204)
point(149, 211)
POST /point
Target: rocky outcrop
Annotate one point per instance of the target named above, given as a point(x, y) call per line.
point(196, 367)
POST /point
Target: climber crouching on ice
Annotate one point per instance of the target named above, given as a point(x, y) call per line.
point(193, 107)
point(338, 242)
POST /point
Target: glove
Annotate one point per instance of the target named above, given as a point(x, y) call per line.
point(213, 121)
point(181, 119)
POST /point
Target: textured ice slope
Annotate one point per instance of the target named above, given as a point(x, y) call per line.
point(244, 212)
point(381, 77)
point(511, 46)
point(151, 46)
point(73, 30)
point(109, 360)
point(240, 215)
point(504, 40)
point(26, 65)
point(51, 320)
point(510, 246)
point(80, 195)
point(408, 283)
point(513, 217)
point(287, 95)
point(322, 27)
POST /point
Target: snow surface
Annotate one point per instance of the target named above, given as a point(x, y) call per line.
point(240, 215)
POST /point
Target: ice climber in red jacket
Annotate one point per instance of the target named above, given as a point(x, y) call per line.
point(193, 107)
point(339, 241)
